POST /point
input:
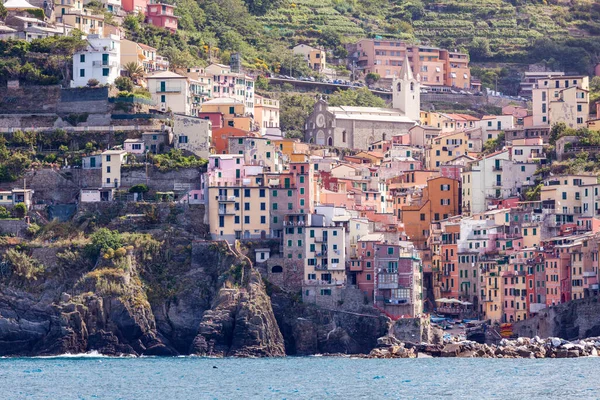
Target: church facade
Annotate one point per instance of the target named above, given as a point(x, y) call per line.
point(358, 127)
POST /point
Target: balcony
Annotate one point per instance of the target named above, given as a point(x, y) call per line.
point(226, 199)
point(321, 254)
point(497, 168)
point(320, 239)
point(106, 64)
point(224, 211)
point(321, 267)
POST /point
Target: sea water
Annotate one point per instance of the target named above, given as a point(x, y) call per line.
point(93, 377)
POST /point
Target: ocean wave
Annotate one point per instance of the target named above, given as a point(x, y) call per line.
point(90, 354)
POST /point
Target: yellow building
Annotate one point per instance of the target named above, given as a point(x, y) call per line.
point(445, 148)
point(491, 293)
point(313, 56)
point(234, 112)
point(73, 13)
point(561, 99)
point(112, 160)
point(293, 150)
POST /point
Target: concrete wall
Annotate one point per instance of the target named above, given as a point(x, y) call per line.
point(575, 319)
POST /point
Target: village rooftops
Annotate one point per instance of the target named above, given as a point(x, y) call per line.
point(372, 237)
point(165, 75)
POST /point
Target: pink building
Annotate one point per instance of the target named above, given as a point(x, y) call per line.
point(134, 6)
point(162, 15)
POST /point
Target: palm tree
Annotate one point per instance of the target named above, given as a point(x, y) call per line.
point(134, 70)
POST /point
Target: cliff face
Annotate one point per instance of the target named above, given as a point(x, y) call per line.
point(165, 296)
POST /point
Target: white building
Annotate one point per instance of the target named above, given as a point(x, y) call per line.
point(266, 113)
point(235, 85)
point(100, 61)
point(171, 91)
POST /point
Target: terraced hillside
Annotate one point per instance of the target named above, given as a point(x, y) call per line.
point(496, 29)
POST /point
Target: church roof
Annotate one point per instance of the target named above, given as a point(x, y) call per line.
point(406, 71)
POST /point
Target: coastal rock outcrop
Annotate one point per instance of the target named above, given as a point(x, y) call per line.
point(241, 323)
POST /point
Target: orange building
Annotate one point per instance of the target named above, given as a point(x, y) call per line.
point(220, 138)
point(439, 200)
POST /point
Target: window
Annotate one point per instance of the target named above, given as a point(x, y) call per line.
point(237, 219)
point(390, 250)
point(105, 71)
point(263, 206)
point(274, 206)
point(246, 192)
point(183, 139)
point(247, 219)
point(301, 179)
point(422, 217)
point(261, 193)
point(82, 58)
point(108, 170)
point(82, 73)
point(247, 206)
point(263, 219)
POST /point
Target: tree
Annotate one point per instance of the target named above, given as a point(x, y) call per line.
point(124, 83)
point(134, 70)
point(294, 109)
point(371, 78)
point(3, 12)
point(61, 50)
point(362, 97)
point(480, 49)
point(104, 239)
point(20, 210)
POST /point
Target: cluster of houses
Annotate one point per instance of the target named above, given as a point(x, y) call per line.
point(407, 206)
point(411, 213)
point(38, 19)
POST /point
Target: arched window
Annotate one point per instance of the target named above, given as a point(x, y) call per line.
point(399, 87)
point(277, 269)
point(344, 136)
point(412, 86)
point(330, 141)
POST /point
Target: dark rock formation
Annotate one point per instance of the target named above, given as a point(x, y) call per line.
point(308, 329)
point(241, 323)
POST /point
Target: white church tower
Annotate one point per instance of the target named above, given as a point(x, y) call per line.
point(407, 92)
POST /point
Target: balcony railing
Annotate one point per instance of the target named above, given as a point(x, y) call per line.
point(229, 199)
point(320, 239)
point(171, 89)
point(106, 64)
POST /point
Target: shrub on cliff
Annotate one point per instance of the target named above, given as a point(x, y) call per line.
point(124, 84)
point(20, 210)
point(102, 240)
point(23, 265)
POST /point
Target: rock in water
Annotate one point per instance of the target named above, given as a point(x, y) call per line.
point(241, 323)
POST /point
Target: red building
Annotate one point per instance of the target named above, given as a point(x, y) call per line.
point(216, 118)
point(162, 15)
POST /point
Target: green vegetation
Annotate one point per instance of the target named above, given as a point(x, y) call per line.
point(23, 265)
point(20, 210)
point(362, 97)
point(493, 145)
point(124, 83)
point(175, 160)
point(104, 240)
point(41, 62)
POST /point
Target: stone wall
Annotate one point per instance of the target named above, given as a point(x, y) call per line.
point(13, 227)
point(575, 319)
point(28, 99)
point(162, 181)
point(83, 100)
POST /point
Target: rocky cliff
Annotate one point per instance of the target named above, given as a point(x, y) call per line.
point(576, 319)
point(162, 294)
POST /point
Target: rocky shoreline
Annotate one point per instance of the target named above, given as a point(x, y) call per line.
point(390, 347)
